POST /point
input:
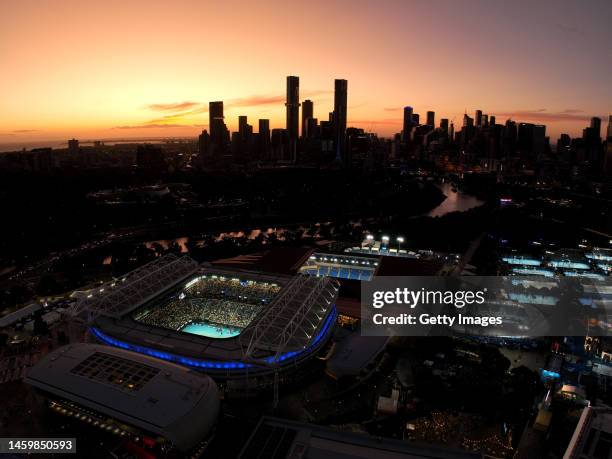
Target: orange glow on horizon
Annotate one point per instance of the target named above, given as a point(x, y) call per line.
point(111, 69)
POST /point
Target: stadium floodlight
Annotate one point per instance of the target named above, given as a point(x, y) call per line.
point(385, 238)
point(369, 237)
point(400, 239)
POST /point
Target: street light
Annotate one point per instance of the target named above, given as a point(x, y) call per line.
point(400, 241)
point(385, 240)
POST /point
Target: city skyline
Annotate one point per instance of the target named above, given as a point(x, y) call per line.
point(124, 72)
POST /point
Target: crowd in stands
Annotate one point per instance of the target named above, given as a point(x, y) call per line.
point(232, 289)
point(221, 301)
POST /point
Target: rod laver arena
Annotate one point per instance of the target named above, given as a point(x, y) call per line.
point(234, 325)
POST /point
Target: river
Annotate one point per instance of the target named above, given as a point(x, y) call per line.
point(455, 201)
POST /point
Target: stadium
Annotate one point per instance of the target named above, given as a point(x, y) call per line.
point(241, 327)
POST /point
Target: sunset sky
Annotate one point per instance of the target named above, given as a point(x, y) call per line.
point(118, 69)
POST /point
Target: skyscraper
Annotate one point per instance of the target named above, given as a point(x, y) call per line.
point(407, 125)
point(242, 125)
point(431, 119)
point(609, 133)
point(340, 107)
point(293, 114)
point(203, 144)
point(307, 112)
point(312, 127)
point(73, 146)
point(492, 120)
point(478, 118)
point(596, 125)
point(263, 139)
point(219, 135)
point(444, 125)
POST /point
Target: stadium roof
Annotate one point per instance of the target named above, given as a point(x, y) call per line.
point(275, 438)
point(398, 266)
point(281, 260)
point(354, 353)
point(118, 298)
point(291, 322)
point(148, 393)
point(19, 314)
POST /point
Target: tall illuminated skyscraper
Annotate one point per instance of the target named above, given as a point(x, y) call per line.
point(293, 114)
point(340, 108)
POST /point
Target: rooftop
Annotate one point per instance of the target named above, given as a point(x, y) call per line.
point(275, 438)
point(148, 393)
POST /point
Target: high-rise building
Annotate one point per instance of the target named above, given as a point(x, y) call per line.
point(531, 139)
point(469, 122)
point(312, 128)
point(307, 113)
point(264, 138)
point(492, 120)
point(485, 120)
point(609, 133)
point(478, 118)
point(416, 119)
point(431, 119)
point(444, 125)
point(242, 125)
point(596, 126)
point(293, 114)
point(203, 143)
point(278, 143)
point(73, 146)
point(407, 125)
point(219, 135)
point(340, 109)
point(564, 144)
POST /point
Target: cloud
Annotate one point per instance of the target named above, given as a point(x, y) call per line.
point(253, 101)
point(176, 106)
point(570, 30)
point(153, 125)
point(24, 131)
point(543, 115)
point(179, 111)
point(392, 109)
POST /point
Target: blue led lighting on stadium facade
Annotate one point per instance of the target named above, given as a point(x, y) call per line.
point(599, 256)
point(522, 261)
point(214, 364)
point(568, 264)
point(531, 271)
